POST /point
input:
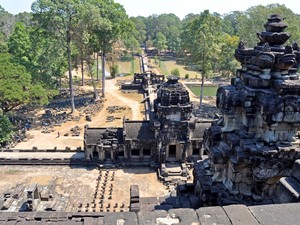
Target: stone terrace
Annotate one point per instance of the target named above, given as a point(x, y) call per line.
point(283, 214)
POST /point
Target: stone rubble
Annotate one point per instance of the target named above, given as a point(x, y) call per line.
point(256, 142)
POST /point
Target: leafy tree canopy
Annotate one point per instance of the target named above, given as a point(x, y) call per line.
point(5, 129)
point(16, 87)
point(253, 19)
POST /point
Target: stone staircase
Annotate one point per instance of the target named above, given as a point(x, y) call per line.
point(173, 172)
point(288, 189)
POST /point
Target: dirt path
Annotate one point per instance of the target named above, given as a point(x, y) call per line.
point(193, 97)
point(113, 90)
point(114, 97)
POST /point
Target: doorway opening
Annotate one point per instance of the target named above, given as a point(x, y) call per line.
point(95, 154)
point(147, 152)
point(172, 151)
point(135, 152)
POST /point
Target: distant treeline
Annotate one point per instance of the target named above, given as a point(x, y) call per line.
point(38, 48)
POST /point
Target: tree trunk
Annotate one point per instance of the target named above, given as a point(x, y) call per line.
point(97, 56)
point(70, 71)
point(103, 74)
point(82, 70)
point(203, 72)
point(96, 94)
point(201, 91)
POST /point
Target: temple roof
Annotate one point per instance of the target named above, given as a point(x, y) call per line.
point(92, 135)
point(140, 130)
point(199, 130)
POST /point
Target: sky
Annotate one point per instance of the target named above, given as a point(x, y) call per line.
point(179, 7)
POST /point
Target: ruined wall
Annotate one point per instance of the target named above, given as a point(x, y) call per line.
point(256, 142)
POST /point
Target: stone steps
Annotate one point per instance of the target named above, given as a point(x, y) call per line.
point(289, 187)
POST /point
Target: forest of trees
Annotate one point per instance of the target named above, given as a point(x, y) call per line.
point(39, 48)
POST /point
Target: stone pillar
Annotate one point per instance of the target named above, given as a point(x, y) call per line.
point(112, 154)
point(101, 153)
point(88, 153)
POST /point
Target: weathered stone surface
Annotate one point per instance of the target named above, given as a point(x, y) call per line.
point(149, 218)
point(256, 142)
point(125, 218)
point(240, 215)
point(212, 216)
point(88, 221)
point(185, 216)
point(296, 170)
point(171, 132)
point(282, 214)
point(99, 221)
point(288, 190)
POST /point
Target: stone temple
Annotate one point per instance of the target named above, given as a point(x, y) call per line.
point(251, 154)
point(253, 149)
point(172, 135)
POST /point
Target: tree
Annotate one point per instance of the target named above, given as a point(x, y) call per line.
point(19, 45)
point(25, 18)
point(149, 43)
point(60, 18)
point(7, 23)
point(255, 17)
point(227, 63)
point(175, 72)
point(231, 22)
point(12, 93)
point(132, 44)
point(200, 41)
point(169, 26)
point(173, 39)
point(160, 42)
point(166, 24)
point(48, 59)
point(43, 57)
point(117, 26)
point(3, 44)
point(90, 20)
point(114, 70)
point(151, 27)
point(114, 56)
point(5, 130)
point(139, 33)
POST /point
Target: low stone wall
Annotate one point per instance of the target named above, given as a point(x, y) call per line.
point(283, 214)
point(35, 149)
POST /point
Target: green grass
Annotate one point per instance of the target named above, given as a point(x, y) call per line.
point(137, 65)
point(165, 70)
point(129, 67)
point(169, 65)
point(207, 91)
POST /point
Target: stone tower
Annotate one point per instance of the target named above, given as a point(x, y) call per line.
point(173, 126)
point(256, 142)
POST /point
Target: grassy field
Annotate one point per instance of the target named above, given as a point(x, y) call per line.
point(128, 67)
point(167, 66)
point(207, 91)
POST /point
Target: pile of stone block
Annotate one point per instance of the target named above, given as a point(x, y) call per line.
point(134, 198)
point(256, 141)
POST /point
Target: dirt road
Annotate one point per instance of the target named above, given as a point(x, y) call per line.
point(114, 97)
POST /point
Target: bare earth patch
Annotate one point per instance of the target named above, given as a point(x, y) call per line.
point(73, 188)
point(114, 97)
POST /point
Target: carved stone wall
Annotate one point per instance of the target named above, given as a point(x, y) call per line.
point(256, 141)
